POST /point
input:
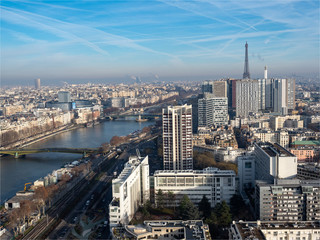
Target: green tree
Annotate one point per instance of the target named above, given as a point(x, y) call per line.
point(160, 199)
point(222, 211)
point(205, 207)
point(187, 210)
point(171, 199)
point(146, 209)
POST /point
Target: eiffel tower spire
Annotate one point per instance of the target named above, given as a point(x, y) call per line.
point(246, 73)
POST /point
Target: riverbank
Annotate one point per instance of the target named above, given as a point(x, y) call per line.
point(26, 142)
point(15, 172)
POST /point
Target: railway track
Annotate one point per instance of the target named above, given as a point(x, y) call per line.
point(60, 208)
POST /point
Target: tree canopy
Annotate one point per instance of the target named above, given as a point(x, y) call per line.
point(206, 159)
point(187, 210)
point(205, 207)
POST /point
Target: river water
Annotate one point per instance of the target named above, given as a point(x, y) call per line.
point(16, 172)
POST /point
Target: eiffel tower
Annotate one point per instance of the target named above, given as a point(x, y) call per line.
point(246, 73)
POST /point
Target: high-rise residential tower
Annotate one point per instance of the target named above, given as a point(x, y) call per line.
point(246, 73)
point(37, 83)
point(217, 88)
point(177, 137)
point(247, 97)
point(212, 111)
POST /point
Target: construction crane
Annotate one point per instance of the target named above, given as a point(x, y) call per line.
point(25, 185)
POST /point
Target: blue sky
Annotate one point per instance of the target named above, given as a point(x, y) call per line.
point(112, 41)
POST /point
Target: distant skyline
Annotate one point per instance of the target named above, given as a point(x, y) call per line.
point(118, 41)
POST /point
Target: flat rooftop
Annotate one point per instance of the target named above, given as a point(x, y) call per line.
point(252, 230)
point(273, 149)
point(193, 229)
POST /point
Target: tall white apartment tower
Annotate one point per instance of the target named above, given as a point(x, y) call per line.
point(247, 97)
point(177, 137)
point(37, 83)
point(280, 96)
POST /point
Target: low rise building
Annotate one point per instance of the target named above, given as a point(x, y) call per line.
point(274, 230)
point(129, 190)
point(15, 201)
point(217, 185)
point(303, 154)
point(169, 229)
point(288, 121)
point(309, 171)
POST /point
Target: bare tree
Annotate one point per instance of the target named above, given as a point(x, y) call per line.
point(26, 208)
point(104, 147)
point(41, 197)
point(52, 190)
point(14, 221)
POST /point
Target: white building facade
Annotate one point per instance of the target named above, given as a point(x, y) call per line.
point(212, 111)
point(274, 161)
point(217, 185)
point(247, 97)
point(177, 137)
point(246, 171)
point(129, 190)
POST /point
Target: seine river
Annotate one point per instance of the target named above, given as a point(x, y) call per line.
point(16, 172)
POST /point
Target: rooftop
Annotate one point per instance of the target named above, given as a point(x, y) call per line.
point(273, 149)
point(253, 230)
point(128, 168)
point(192, 229)
point(207, 170)
point(310, 142)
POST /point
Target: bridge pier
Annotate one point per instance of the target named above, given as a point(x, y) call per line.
point(16, 155)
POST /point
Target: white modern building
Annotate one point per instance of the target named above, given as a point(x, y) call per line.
point(262, 93)
point(283, 95)
point(129, 190)
point(212, 111)
point(274, 161)
point(217, 185)
point(177, 137)
point(246, 171)
point(247, 97)
point(280, 96)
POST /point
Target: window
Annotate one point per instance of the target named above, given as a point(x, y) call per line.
point(248, 165)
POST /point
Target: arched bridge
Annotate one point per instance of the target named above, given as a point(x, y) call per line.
point(22, 152)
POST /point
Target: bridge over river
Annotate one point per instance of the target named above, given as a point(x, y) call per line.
point(21, 152)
